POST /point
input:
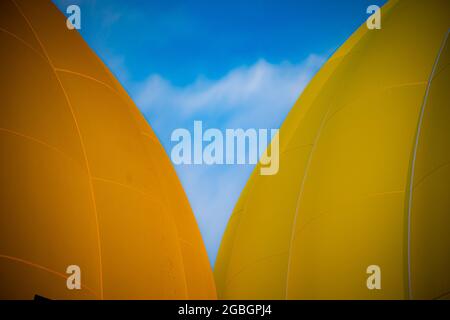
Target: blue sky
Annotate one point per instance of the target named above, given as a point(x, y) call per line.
point(231, 64)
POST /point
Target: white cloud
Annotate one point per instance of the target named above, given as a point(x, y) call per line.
point(256, 96)
point(248, 95)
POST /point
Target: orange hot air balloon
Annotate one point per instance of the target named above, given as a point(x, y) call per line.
point(84, 181)
point(364, 176)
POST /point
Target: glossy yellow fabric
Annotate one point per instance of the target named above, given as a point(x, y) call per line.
point(84, 180)
point(340, 201)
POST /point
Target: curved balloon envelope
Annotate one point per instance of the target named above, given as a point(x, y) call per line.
point(84, 180)
point(364, 176)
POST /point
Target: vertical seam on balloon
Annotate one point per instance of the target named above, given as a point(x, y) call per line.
point(91, 186)
point(300, 194)
point(413, 163)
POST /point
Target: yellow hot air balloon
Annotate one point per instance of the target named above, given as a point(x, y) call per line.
point(84, 180)
point(364, 180)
